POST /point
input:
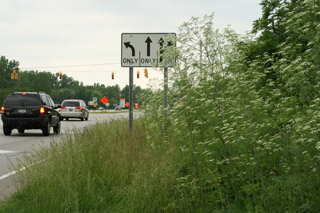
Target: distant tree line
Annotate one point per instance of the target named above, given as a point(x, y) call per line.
point(60, 89)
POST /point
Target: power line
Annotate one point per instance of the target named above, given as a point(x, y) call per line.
point(61, 66)
point(62, 56)
point(106, 71)
point(90, 71)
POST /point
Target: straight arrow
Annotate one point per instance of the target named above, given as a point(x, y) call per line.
point(127, 44)
point(161, 41)
point(148, 41)
point(161, 49)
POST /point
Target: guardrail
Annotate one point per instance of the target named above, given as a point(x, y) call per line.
point(108, 110)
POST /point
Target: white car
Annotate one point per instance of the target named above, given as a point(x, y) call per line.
point(74, 108)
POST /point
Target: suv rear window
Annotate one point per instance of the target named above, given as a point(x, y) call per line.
point(23, 100)
point(71, 103)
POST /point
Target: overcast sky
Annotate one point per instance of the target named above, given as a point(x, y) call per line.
point(59, 33)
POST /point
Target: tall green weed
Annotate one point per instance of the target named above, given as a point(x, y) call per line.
point(248, 130)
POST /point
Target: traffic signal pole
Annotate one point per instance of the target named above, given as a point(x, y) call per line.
point(130, 100)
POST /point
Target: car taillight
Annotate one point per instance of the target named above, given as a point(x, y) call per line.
point(2, 109)
point(79, 107)
point(63, 107)
point(42, 110)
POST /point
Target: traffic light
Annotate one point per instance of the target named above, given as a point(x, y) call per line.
point(14, 75)
point(112, 75)
point(146, 72)
point(60, 75)
point(138, 74)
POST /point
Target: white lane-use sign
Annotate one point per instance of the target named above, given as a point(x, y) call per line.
point(144, 49)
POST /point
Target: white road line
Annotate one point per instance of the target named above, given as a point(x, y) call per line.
point(14, 172)
point(6, 152)
point(11, 173)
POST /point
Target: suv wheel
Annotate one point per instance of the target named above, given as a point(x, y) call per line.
point(21, 131)
point(7, 130)
point(46, 129)
point(57, 129)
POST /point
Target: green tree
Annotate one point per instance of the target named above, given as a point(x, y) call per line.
point(59, 89)
point(136, 92)
point(6, 84)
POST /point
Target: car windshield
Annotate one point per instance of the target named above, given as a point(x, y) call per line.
point(23, 100)
point(71, 103)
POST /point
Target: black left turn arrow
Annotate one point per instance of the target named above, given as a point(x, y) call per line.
point(127, 44)
point(148, 41)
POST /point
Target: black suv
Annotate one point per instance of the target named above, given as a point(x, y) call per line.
point(30, 110)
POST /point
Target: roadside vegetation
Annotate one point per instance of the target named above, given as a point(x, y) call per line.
point(241, 134)
point(245, 112)
point(101, 169)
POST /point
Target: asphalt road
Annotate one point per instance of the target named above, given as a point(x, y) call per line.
point(14, 147)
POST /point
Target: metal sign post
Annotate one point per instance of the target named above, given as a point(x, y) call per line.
point(165, 77)
point(131, 100)
point(145, 50)
point(165, 85)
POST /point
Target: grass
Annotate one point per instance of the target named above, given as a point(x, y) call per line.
point(104, 169)
point(101, 169)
